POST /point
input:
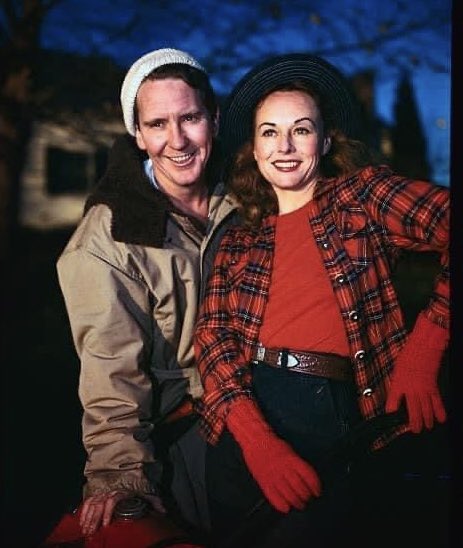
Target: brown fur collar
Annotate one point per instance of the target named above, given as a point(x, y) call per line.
point(139, 210)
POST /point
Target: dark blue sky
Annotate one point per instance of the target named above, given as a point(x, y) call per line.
point(230, 36)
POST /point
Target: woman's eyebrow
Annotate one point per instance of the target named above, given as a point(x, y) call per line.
point(298, 121)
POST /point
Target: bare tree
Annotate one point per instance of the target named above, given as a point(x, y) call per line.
point(21, 23)
point(231, 34)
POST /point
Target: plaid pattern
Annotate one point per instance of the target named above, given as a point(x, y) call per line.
point(360, 225)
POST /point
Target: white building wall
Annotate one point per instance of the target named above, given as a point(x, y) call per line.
point(38, 208)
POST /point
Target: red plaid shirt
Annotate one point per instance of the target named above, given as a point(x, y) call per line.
point(360, 225)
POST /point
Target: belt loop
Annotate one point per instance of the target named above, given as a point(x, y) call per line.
point(284, 358)
point(260, 354)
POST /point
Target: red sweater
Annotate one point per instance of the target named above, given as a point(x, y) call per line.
point(302, 312)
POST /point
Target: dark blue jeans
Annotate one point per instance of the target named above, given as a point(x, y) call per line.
point(310, 413)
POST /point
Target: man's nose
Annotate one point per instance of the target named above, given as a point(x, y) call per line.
point(177, 136)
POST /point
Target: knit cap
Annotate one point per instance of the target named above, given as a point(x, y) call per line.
point(138, 72)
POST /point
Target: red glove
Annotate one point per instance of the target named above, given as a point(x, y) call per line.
point(285, 478)
point(415, 375)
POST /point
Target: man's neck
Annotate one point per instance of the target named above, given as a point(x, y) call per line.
point(192, 201)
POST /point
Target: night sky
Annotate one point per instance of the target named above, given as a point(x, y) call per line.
point(230, 36)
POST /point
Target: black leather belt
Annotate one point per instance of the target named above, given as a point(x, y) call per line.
point(330, 366)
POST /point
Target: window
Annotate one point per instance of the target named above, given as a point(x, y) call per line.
point(74, 172)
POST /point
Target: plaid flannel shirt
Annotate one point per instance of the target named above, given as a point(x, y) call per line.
point(360, 225)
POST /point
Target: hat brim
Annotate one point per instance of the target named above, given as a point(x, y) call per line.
point(284, 69)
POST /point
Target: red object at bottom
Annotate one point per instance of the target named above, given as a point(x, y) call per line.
point(147, 532)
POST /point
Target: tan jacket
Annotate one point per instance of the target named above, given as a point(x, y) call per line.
point(132, 308)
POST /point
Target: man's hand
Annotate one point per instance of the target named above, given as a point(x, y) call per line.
point(98, 509)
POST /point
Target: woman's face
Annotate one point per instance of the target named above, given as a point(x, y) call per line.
point(289, 141)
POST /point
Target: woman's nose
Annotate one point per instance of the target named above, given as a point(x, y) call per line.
point(285, 143)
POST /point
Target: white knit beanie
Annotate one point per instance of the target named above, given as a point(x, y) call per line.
point(138, 72)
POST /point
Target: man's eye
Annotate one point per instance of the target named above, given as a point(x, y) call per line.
point(157, 124)
point(194, 118)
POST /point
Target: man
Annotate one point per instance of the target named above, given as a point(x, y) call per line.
point(131, 276)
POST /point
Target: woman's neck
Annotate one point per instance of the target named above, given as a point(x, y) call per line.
point(290, 200)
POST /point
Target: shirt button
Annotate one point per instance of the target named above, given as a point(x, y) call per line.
point(353, 315)
point(340, 279)
point(368, 392)
point(325, 245)
point(359, 355)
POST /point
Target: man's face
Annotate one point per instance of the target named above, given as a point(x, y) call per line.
point(176, 130)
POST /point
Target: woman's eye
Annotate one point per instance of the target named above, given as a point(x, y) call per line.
point(302, 131)
point(268, 132)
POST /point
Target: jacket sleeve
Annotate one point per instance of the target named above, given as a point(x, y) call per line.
point(221, 362)
point(416, 216)
point(110, 322)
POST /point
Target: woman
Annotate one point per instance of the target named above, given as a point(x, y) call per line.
point(301, 335)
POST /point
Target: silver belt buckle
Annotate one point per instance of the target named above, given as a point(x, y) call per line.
point(292, 360)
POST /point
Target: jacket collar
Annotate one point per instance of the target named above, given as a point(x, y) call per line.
point(139, 211)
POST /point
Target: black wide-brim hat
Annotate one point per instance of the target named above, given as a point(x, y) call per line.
point(322, 76)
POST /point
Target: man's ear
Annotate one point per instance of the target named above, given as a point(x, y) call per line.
point(326, 145)
point(139, 139)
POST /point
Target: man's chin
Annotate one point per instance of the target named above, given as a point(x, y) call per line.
point(191, 178)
